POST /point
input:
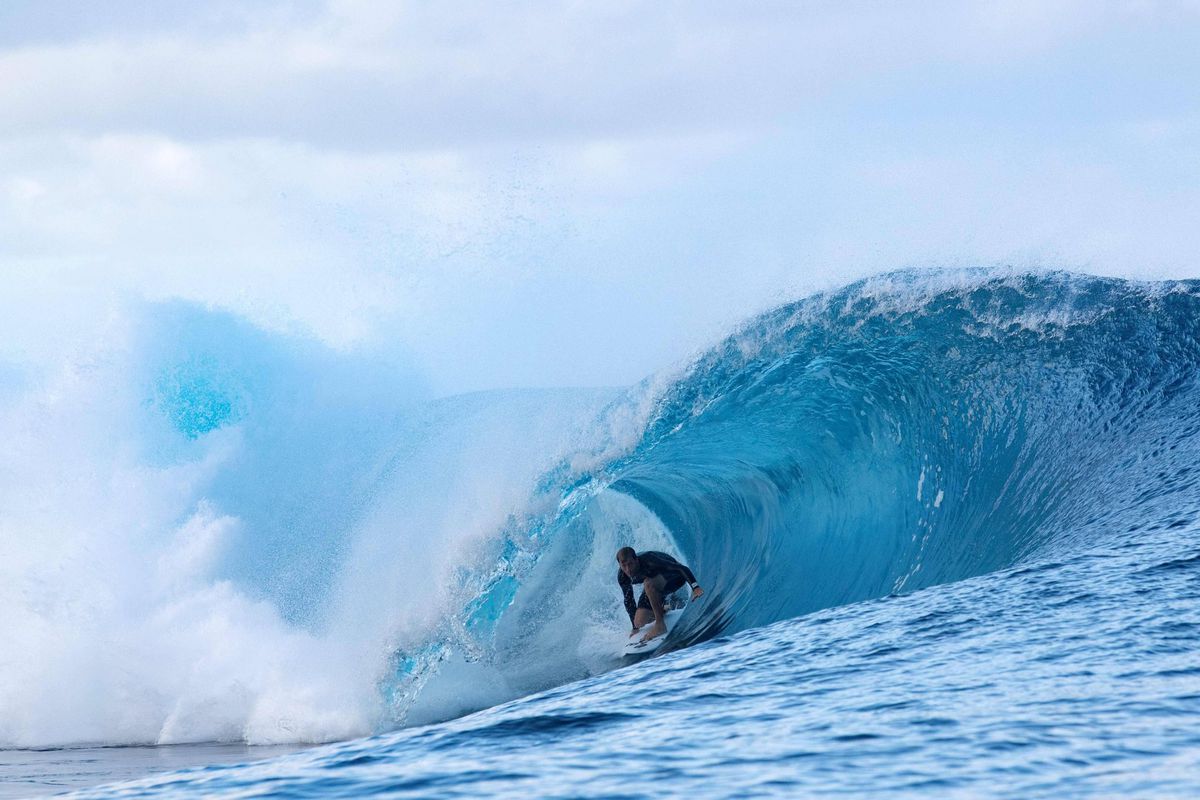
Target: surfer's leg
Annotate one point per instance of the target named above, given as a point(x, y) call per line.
point(669, 589)
point(644, 613)
point(653, 589)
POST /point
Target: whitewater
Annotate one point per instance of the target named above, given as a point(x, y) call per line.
point(947, 523)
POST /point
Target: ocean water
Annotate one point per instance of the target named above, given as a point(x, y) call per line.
point(947, 524)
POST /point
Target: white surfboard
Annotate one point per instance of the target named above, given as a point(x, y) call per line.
point(634, 646)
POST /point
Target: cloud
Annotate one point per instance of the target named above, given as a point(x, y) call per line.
point(414, 76)
point(572, 193)
point(342, 245)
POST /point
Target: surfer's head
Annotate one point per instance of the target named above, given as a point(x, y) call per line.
point(627, 559)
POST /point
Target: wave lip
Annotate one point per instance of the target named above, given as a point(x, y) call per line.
point(918, 429)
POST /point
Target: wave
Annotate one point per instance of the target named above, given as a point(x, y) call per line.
point(212, 532)
point(217, 533)
point(899, 434)
point(906, 431)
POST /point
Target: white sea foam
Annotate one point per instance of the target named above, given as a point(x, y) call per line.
point(211, 533)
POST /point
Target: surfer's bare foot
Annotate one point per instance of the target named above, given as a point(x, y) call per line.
point(658, 630)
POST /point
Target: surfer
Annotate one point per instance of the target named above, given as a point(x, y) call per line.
point(660, 576)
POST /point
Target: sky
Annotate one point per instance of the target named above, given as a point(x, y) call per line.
point(571, 193)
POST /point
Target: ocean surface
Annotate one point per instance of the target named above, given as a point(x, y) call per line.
point(948, 525)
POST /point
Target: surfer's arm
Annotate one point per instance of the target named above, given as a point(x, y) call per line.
point(669, 566)
point(685, 572)
point(627, 590)
point(691, 579)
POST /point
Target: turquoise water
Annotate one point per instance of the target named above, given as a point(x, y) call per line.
point(948, 524)
point(1057, 679)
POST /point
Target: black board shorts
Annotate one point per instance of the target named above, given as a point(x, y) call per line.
point(669, 588)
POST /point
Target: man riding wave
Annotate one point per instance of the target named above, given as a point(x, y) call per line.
point(660, 576)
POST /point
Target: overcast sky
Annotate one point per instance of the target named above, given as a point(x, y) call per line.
point(534, 194)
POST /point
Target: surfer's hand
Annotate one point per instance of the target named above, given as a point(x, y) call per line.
point(697, 592)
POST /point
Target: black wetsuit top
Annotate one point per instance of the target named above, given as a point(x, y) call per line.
point(651, 564)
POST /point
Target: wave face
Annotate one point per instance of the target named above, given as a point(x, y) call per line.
point(907, 431)
point(218, 534)
point(1006, 463)
point(904, 432)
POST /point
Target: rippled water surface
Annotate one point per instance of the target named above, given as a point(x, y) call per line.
point(1050, 680)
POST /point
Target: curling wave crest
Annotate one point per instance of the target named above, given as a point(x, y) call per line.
point(215, 533)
